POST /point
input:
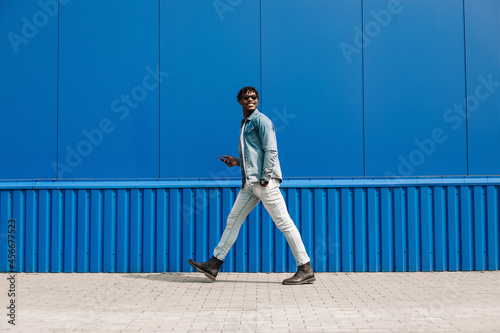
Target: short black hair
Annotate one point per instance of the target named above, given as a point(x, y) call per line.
point(244, 90)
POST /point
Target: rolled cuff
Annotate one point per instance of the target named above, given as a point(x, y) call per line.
point(267, 176)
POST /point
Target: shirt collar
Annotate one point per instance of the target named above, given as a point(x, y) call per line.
point(253, 115)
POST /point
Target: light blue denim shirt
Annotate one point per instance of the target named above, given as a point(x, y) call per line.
point(260, 149)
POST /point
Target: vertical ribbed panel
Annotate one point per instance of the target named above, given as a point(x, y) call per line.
point(350, 229)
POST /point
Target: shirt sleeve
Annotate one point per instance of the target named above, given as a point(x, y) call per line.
point(267, 136)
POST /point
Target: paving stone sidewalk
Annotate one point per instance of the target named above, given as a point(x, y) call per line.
point(253, 302)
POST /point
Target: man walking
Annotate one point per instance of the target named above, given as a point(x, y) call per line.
point(261, 178)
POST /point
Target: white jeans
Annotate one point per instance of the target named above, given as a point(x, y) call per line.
point(248, 198)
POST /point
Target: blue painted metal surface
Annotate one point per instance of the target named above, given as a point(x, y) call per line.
point(28, 90)
point(350, 83)
point(392, 227)
point(210, 55)
point(414, 71)
point(312, 90)
point(482, 23)
point(108, 89)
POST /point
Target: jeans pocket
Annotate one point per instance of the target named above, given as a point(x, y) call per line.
point(273, 183)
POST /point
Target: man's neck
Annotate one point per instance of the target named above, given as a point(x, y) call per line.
point(247, 114)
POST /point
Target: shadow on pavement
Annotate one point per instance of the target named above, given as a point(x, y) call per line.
point(188, 278)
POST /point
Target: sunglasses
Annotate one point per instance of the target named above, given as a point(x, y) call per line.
point(247, 97)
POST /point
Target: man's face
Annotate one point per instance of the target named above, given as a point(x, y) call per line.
point(249, 101)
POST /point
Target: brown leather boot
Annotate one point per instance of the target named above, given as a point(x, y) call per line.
point(210, 268)
point(304, 274)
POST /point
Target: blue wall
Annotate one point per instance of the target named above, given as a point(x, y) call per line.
point(414, 70)
point(208, 61)
point(314, 95)
point(483, 65)
point(146, 88)
point(427, 225)
point(28, 92)
point(103, 89)
point(139, 96)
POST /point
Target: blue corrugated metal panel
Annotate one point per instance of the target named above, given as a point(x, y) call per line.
point(453, 229)
point(406, 228)
point(387, 242)
point(492, 228)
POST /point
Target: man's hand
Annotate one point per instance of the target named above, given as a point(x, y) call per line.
point(230, 161)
